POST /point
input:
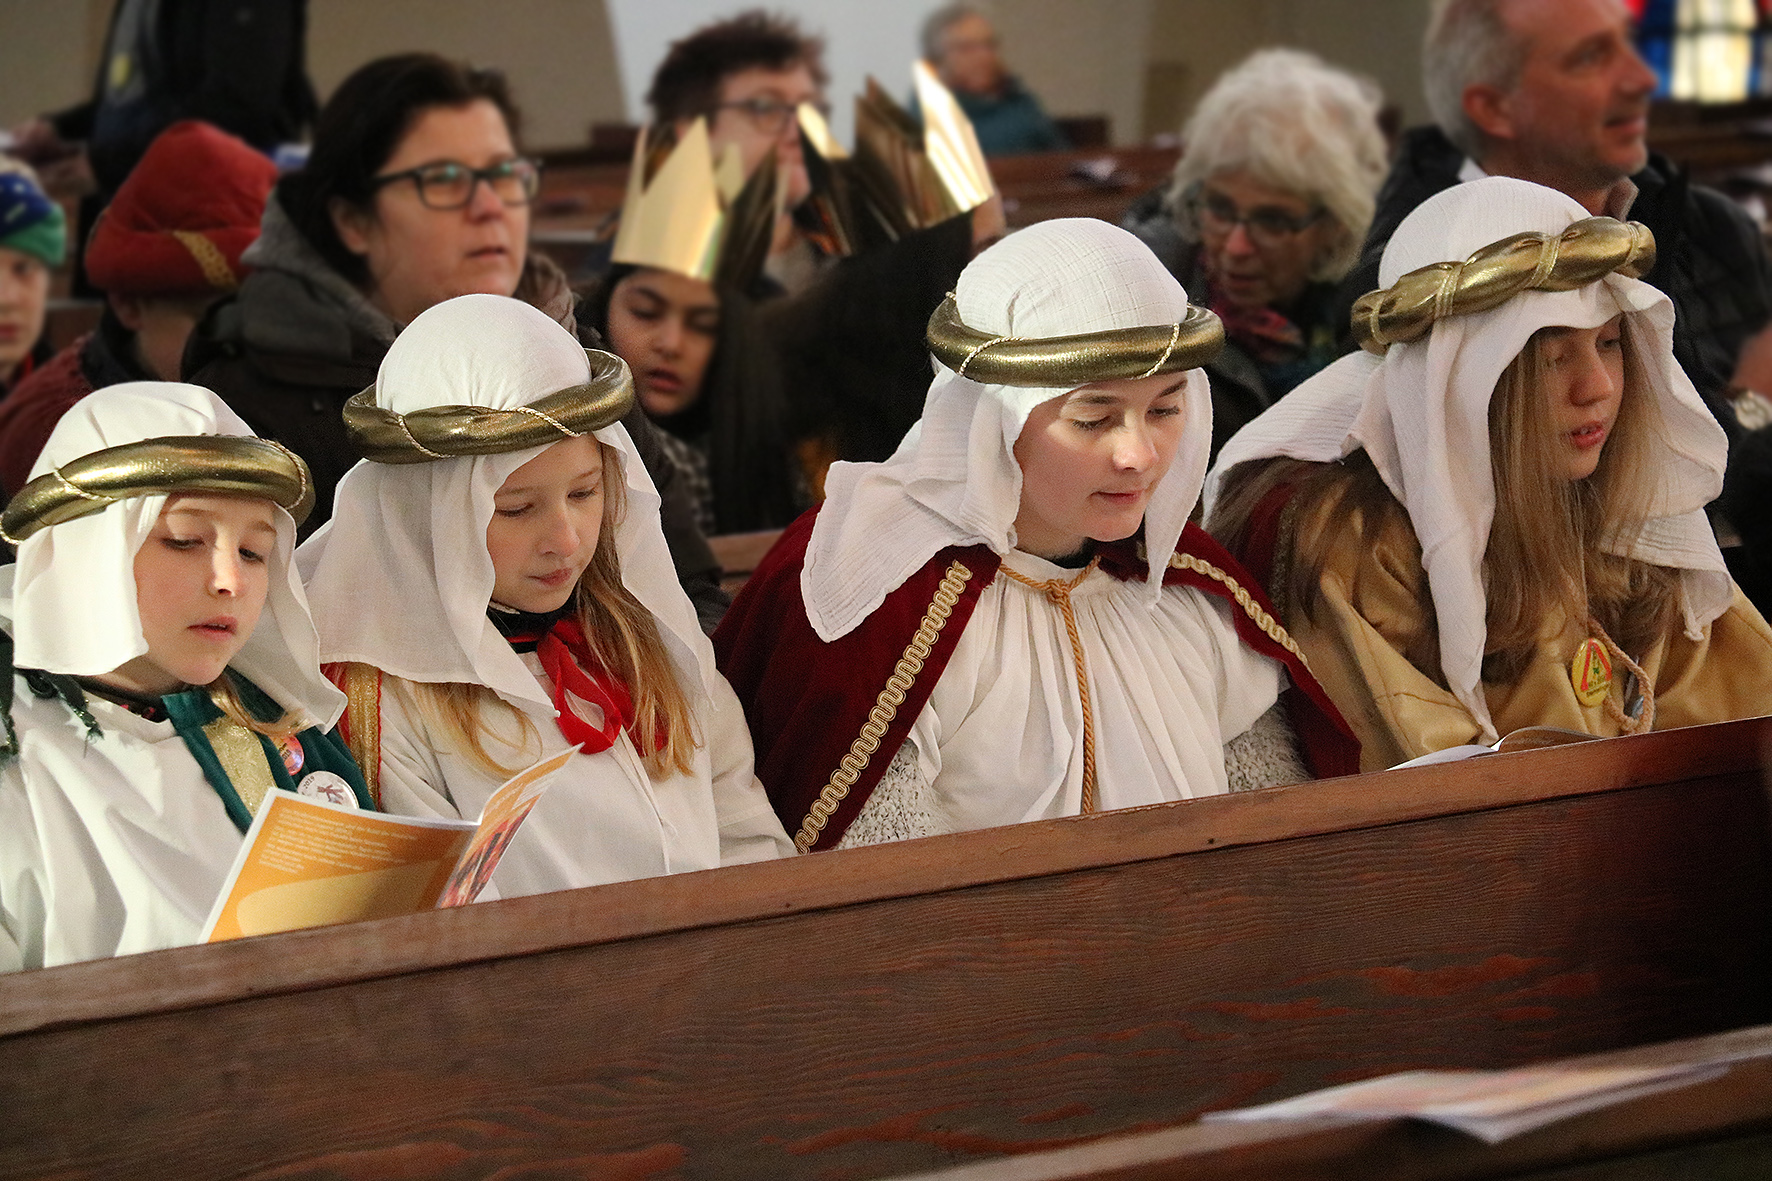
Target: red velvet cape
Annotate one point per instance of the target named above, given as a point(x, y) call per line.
point(826, 719)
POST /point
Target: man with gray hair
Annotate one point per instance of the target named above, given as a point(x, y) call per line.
point(1554, 92)
point(961, 47)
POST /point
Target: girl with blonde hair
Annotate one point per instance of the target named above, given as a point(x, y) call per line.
point(494, 587)
point(161, 673)
point(1494, 516)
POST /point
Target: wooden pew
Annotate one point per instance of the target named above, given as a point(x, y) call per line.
point(581, 192)
point(887, 1010)
point(739, 553)
point(1716, 1129)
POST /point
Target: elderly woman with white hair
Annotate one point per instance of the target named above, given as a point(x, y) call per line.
point(1013, 618)
point(1266, 212)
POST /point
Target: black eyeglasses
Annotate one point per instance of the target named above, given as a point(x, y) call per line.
point(449, 185)
point(1266, 225)
point(768, 115)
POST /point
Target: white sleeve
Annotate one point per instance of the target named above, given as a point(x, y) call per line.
point(1249, 682)
point(22, 915)
point(902, 806)
point(749, 828)
point(412, 780)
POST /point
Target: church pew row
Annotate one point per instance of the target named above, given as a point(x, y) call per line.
point(884, 1011)
point(739, 553)
point(1720, 1130)
point(578, 198)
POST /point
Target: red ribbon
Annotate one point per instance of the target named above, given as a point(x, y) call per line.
point(578, 675)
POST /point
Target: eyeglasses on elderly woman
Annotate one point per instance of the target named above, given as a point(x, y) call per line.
point(1266, 225)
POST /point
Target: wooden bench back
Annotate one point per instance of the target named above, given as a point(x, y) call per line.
point(893, 1009)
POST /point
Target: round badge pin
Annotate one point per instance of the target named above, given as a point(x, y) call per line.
point(1590, 672)
point(294, 757)
point(324, 785)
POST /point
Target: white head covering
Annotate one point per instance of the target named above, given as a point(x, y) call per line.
point(73, 602)
point(1422, 413)
point(954, 479)
point(400, 577)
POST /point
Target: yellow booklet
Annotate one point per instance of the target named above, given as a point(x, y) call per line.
point(308, 862)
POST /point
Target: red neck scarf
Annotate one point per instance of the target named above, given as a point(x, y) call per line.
point(580, 679)
point(1268, 336)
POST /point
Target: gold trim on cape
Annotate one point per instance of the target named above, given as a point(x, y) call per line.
point(1586, 252)
point(1270, 626)
point(1072, 361)
point(235, 465)
point(904, 675)
point(448, 432)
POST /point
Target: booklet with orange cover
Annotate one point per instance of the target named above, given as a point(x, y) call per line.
point(307, 862)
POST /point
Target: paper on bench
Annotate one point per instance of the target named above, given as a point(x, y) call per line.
point(1489, 1104)
point(306, 862)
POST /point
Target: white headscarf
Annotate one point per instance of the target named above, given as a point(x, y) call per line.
point(73, 602)
point(1422, 413)
point(400, 577)
point(954, 479)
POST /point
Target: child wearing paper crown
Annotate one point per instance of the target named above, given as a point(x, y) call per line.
point(1493, 517)
point(494, 588)
point(161, 673)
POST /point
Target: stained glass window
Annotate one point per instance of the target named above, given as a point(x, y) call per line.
point(1712, 51)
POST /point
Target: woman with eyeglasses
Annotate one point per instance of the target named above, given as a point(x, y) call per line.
point(1268, 206)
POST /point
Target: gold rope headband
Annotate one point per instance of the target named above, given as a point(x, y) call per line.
point(1072, 360)
point(1586, 252)
point(449, 432)
point(237, 465)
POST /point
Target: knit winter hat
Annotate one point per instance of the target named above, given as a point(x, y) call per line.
point(184, 215)
point(29, 221)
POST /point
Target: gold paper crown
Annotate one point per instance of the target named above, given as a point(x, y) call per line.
point(684, 213)
point(237, 465)
point(901, 178)
point(1586, 252)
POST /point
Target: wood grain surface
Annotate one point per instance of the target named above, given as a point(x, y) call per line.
point(889, 1010)
point(1718, 1130)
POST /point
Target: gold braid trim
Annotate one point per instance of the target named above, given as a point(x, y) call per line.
point(237, 465)
point(1059, 591)
point(446, 432)
point(1072, 360)
point(1586, 252)
point(362, 686)
point(1267, 623)
point(904, 675)
point(210, 260)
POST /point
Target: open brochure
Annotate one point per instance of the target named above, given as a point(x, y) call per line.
point(308, 862)
point(1489, 1104)
point(1525, 738)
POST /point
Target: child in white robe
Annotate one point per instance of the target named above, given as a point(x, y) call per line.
point(494, 587)
point(1012, 619)
point(154, 548)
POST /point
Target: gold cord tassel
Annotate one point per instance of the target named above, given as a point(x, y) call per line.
point(1059, 591)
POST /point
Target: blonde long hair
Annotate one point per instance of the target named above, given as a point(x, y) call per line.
point(622, 634)
point(1547, 548)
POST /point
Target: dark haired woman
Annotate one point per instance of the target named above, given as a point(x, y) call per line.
point(1497, 521)
point(707, 380)
point(414, 193)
